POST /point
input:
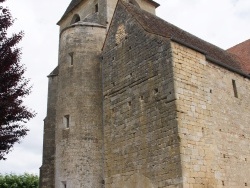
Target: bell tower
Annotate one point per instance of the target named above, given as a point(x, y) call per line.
point(73, 153)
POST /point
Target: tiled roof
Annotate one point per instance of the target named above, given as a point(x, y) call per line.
point(71, 6)
point(242, 52)
point(155, 25)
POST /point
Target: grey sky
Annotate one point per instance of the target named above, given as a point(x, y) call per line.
point(224, 23)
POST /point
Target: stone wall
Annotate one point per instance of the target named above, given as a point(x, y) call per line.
point(213, 123)
point(140, 129)
point(47, 169)
point(79, 142)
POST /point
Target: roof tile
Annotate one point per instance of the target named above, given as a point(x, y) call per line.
point(242, 52)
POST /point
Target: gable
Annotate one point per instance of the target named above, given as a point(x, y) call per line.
point(157, 26)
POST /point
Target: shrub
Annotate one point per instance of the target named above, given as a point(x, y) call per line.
point(19, 181)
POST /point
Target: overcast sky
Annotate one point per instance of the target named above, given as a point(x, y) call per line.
point(224, 23)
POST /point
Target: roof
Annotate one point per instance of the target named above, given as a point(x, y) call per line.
point(156, 25)
point(154, 3)
point(242, 52)
point(71, 6)
point(55, 72)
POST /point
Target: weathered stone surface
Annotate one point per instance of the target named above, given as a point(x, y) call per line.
point(78, 158)
point(135, 108)
point(140, 127)
point(213, 124)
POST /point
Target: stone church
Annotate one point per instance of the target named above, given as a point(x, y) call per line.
point(136, 102)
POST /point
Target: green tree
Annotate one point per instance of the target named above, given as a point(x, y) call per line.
point(19, 181)
point(13, 87)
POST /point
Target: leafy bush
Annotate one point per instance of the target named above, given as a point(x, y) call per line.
point(19, 181)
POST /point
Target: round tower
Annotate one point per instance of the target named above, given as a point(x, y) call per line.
point(78, 138)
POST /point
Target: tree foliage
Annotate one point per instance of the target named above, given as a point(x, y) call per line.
point(19, 181)
point(13, 87)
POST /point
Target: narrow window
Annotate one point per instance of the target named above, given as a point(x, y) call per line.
point(96, 8)
point(156, 90)
point(64, 184)
point(131, 2)
point(235, 88)
point(129, 103)
point(71, 58)
point(66, 121)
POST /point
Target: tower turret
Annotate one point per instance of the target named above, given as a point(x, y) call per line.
point(78, 138)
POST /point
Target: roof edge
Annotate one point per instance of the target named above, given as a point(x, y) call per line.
point(211, 59)
point(55, 72)
point(155, 4)
point(68, 11)
point(227, 67)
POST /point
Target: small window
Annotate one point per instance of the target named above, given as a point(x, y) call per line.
point(156, 90)
point(76, 18)
point(133, 2)
point(64, 184)
point(66, 121)
point(71, 58)
point(235, 88)
point(96, 8)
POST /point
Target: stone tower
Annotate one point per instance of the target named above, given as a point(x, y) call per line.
point(73, 134)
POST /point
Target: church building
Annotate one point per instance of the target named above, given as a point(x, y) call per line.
point(136, 102)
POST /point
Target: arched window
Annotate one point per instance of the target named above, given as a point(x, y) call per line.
point(133, 2)
point(76, 18)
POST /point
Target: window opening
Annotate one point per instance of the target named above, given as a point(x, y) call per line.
point(71, 58)
point(66, 121)
point(64, 184)
point(131, 2)
point(76, 18)
point(156, 90)
point(235, 88)
point(96, 8)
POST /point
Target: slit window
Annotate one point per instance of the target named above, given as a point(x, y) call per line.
point(64, 184)
point(235, 89)
point(71, 55)
point(156, 90)
point(96, 8)
point(66, 121)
